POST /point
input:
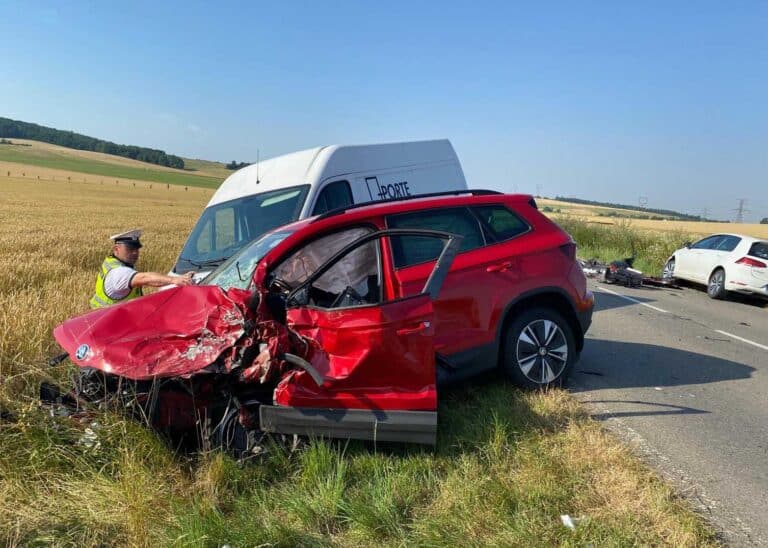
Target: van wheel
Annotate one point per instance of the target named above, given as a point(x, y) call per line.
point(539, 349)
point(716, 285)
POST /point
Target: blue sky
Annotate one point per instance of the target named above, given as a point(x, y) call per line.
point(606, 101)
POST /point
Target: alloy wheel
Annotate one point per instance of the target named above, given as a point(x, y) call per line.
point(716, 282)
point(542, 351)
point(669, 270)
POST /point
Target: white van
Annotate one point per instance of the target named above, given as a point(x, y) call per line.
point(274, 192)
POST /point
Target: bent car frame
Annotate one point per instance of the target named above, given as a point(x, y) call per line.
point(345, 325)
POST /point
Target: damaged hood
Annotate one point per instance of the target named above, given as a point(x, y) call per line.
point(170, 333)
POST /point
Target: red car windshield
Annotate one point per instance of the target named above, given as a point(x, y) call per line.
point(237, 271)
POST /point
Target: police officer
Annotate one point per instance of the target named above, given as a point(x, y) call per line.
point(118, 280)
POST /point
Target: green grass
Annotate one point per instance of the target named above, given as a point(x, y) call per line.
point(23, 155)
point(611, 242)
point(507, 464)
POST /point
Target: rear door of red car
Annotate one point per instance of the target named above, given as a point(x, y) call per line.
point(378, 381)
point(483, 278)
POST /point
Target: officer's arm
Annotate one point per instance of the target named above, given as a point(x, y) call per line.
point(155, 279)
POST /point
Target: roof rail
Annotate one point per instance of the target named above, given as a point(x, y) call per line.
point(344, 209)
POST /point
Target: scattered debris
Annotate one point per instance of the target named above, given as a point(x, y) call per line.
point(621, 272)
point(571, 522)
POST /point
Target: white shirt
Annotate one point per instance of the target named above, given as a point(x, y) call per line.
point(117, 284)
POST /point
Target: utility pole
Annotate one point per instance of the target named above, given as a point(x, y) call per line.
point(643, 201)
point(741, 210)
point(538, 189)
point(704, 214)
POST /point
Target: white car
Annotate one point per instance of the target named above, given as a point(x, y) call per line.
point(724, 262)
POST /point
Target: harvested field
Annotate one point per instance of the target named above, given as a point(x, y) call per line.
point(18, 159)
point(507, 465)
point(598, 215)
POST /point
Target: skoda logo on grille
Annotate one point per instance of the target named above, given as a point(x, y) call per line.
point(82, 351)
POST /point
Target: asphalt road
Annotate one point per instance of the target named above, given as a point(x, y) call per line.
point(685, 380)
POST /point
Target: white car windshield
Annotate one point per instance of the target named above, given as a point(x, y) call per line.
point(238, 270)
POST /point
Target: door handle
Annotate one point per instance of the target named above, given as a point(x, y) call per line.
point(413, 329)
point(501, 267)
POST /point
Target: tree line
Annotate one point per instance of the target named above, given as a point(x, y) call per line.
point(237, 165)
point(70, 139)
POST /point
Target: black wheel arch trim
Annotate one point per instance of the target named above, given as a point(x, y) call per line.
point(579, 321)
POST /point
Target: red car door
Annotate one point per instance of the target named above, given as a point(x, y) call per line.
point(378, 381)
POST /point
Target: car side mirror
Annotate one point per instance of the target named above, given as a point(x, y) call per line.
point(687, 245)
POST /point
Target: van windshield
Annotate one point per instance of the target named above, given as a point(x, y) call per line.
point(223, 229)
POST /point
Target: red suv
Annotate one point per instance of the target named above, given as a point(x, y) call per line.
point(345, 324)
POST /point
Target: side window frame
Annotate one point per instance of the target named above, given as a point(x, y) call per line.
point(303, 243)
point(321, 196)
point(728, 239)
point(431, 287)
point(489, 234)
point(470, 215)
point(710, 247)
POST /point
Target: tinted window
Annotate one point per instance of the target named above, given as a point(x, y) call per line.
point(332, 196)
point(759, 249)
point(728, 243)
point(410, 250)
point(707, 243)
point(500, 223)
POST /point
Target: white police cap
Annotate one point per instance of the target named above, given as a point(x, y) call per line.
point(130, 238)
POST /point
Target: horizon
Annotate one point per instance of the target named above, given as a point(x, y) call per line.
point(601, 102)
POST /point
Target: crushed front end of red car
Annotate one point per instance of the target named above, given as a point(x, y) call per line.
point(206, 365)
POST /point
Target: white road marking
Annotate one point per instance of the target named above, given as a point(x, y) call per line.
point(630, 299)
point(742, 340)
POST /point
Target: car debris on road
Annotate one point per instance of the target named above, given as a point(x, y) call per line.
point(620, 272)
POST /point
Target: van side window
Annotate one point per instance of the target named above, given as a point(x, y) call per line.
point(410, 250)
point(499, 223)
point(333, 195)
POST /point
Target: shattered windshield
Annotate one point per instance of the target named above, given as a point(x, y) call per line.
point(237, 271)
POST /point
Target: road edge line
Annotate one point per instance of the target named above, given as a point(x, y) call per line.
point(753, 343)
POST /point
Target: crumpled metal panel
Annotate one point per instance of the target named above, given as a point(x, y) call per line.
point(378, 357)
point(170, 333)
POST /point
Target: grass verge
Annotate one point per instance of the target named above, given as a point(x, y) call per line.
point(609, 243)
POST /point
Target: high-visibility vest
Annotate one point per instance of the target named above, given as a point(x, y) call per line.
point(100, 298)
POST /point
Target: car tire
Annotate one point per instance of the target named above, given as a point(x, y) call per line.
point(668, 273)
point(716, 284)
point(539, 349)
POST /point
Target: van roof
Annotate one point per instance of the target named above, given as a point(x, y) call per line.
point(315, 164)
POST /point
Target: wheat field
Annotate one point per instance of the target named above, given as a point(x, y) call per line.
point(507, 464)
point(598, 215)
